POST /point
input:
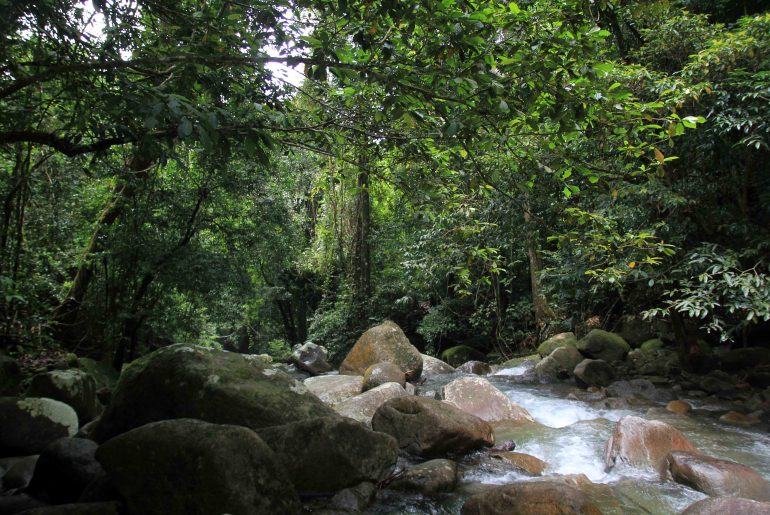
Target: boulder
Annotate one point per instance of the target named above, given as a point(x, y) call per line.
point(530, 497)
point(641, 389)
point(65, 468)
point(29, 425)
point(651, 345)
point(324, 455)
point(717, 477)
point(101, 508)
point(102, 372)
point(430, 477)
point(678, 406)
point(555, 342)
point(191, 467)
point(381, 373)
point(385, 342)
point(10, 375)
point(18, 503)
point(599, 344)
point(334, 389)
point(432, 367)
point(72, 387)
point(559, 364)
point(636, 330)
point(476, 395)
point(644, 443)
point(311, 357)
point(431, 428)
point(185, 381)
point(478, 368)
point(362, 407)
point(459, 354)
point(593, 372)
point(353, 500)
point(739, 419)
point(748, 357)
point(727, 506)
point(522, 462)
point(18, 471)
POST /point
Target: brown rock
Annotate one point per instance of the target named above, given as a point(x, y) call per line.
point(677, 406)
point(381, 373)
point(476, 395)
point(478, 368)
point(362, 407)
point(523, 462)
point(385, 342)
point(727, 506)
point(717, 477)
point(739, 419)
point(427, 427)
point(427, 478)
point(531, 497)
point(644, 443)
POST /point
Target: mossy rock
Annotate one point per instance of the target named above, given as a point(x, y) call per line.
point(652, 345)
point(554, 342)
point(103, 373)
point(73, 387)
point(460, 354)
point(29, 425)
point(599, 344)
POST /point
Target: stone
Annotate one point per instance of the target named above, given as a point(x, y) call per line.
point(679, 407)
point(72, 387)
point(381, 373)
point(599, 344)
point(185, 381)
point(478, 368)
point(636, 330)
point(431, 428)
point(30, 424)
point(651, 345)
point(522, 462)
point(531, 497)
point(739, 419)
point(10, 375)
point(459, 354)
point(559, 364)
point(427, 478)
point(476, 395)
point(18, 471)
point(640, 389)
point(555, 342)
point(716, 477)
point(102, 508)
point(311, 357)
point(102, 372)
point(362, 407)
point(355, 499)
point(593, 372)
point(385, 342)
point(65, 468)
point(18, 503)
point(748, 357)
point(432, 367)
point(727, 506)
point(334, 389)
point(644, 443)
point(325, 455)
point(191, 467)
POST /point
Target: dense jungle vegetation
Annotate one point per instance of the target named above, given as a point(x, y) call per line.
point(483, 173)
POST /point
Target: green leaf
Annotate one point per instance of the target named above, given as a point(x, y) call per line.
point(185, 128)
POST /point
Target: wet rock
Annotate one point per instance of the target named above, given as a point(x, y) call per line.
point(355, 499)
point(72, 387)
point(739, 419)
point(727, 506)
point(18, 503)
point(362, 407)
point(478, 368)
point(559, 364)
point(385, 342)
point(459, 354)
point(593, 372)
point(185, 466)
point(677, 406)
point(381, 373)
point(749, 357)
point(651, 345)
point(431, 428)
point(18, 471)
point(427, 478)
point(476, 395)
point(10, 375)
point(717, 477)
point(185, 381)
point(599, 344)
point(644, 443)
point(103, 508)
point(531, 497)
point(432, 367)
point(641, 389)
point(327, 454)
point(311, 358)
point(29, 425)
point(555, 342)
point(65, 468)
point(522, 462)
point(334, 389)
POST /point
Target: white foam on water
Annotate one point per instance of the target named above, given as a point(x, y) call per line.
point(514, 371)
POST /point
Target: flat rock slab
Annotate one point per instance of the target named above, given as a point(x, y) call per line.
point(717, 477)
point(334, 389)
point(362, 407)
point(727, 506)
point(531, 497)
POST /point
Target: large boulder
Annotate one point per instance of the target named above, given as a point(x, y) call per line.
point(531, 497)
point(102, 372)
point(185, 381)
point(191, 467)
point(385, 342)
point(324, 455)
point(727, 506)
point(29, 425)
point(555, 342)
point(64, 470)
point(17, 471)
point(311, 358)
point(430, 477)
point(459, 354)
point(431, 428)
point(599, 344)
point(362, 407)
point(334, 389)
point(644, 443)
point(717, 477)
point(73, 387)
point(593, 372)
point(432, 367)
point(381, 373)
point(10, 375)
point(479, 368)
point(525, 463)
point(559, 364)
point(476, 395)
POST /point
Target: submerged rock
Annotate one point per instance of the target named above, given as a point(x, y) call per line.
point(678, 406)
point(30, 424)
point(531, 497)
point(385, 342)
point(476, 395)
point(727, 506)
point(717, 477)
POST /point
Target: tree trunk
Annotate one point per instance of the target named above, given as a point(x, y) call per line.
point(543, 312)
point(361, 249)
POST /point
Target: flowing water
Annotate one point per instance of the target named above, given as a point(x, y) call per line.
point(571, 437)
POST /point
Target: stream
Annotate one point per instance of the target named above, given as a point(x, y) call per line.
point(572, 440)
